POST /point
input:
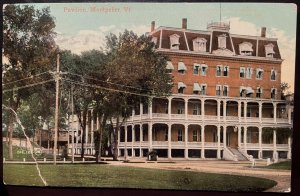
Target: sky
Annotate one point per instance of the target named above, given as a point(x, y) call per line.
point(83, 26)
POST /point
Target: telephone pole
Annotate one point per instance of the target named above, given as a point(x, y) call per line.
point(72, 119)
point(56, 109)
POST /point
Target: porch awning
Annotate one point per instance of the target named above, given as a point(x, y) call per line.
point(181, 85)
point(181, 66)
point(249, 90)
point(169, 65)
point(197, 87)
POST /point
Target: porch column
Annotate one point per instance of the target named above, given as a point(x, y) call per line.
point(141, 139)
point(239, 136)
point(132, 114)
point(218, 109)
point(224, 110)
point(260, 142)
point(202, 108)
point(224, 135)
point(245, 139)
point(132, 140)
point(169, 107)
point(275, 111)
point(169, 141)
point(275, 156)
point(92, 128)
point(150, 108)
point(289, 155)
point(86, 131)
point(260, 111)
point(118, 141)
point(289, 114)
point(125, 150)
point(219, 141)
point(141, 111)
point(150, 135)
point(239, 110)
point(186, 155)
point(202, 142)
point(186, 108)
point(245, 111)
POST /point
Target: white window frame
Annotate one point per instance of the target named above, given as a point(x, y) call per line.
point(222, 41)
point(203, 90)
point(204, 73)
point(245, 49)
point(259, 93)
point(244, 72)
point(275, 94)
point(221, 70)
point(227, 92)
point(275, 75)
point(219, 89)
point(257, 74)
point(196, 109)
point(226, 66)
point(195, 135)
point(269, 49)
point(195, 68)
point(174, 42)
point(199, 44)
point(249, 72)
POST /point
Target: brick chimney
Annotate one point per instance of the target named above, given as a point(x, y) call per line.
point(152, 26)
point(184, 23)
point(263, 31)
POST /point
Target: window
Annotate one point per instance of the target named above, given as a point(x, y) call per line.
point(196, 69)
point(226, 71)
point(181, 68)
point(248, 112)
point(222, 41)
point(225, 90)
point(195, 135)
point(166, 135)
point(180, 108)
point(199, 44)
point(179, 134)
point(203, 89)
point(259, 74)
point(181, 87)
point(273, 74)
point(219, 70)
point(203, 69)
point(196, 109)
point(269, 50)
point(245, 49)
point(174, 41)
point(242, 91)
point(259, 92)
point(273, 93)
point(218, 90)
point(249, 72)
point(196, 89)
point(242, 72)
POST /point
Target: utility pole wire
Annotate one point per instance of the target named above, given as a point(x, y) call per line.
point(26, 86)
point(30, 77)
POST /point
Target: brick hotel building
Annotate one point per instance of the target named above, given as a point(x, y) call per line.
point(225, 99)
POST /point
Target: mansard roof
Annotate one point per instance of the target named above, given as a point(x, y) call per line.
point(232, 41)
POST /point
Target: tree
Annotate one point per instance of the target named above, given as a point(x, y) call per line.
point(29, 48)
point(134, 66)
point(284, 87)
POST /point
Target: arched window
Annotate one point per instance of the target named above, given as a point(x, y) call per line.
point(199, 44)
point(273, 74)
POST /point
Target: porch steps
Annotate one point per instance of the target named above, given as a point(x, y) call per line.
point(239, 155)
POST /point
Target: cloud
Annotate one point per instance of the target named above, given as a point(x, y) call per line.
point(287, 45)
point(93, 39)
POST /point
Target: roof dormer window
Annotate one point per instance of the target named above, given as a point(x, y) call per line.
point(269, 50)
point(222, 41)
point(245, 49)
point(174, 42)
point(199, 44)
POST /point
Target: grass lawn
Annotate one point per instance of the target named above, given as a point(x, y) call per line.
point(286, 165)
point(94, 175)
